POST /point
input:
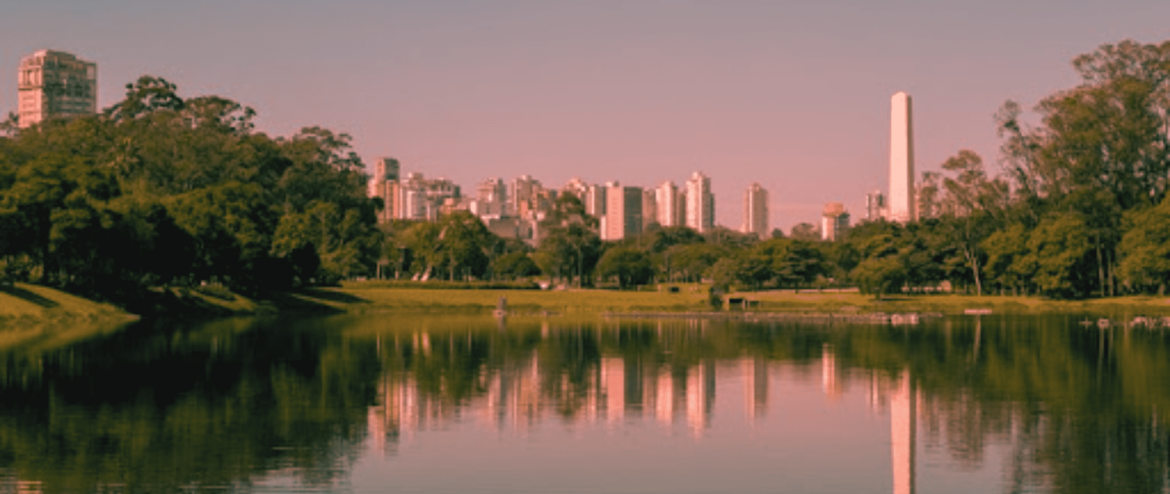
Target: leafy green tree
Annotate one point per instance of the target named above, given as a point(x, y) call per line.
point(571, 246)
point(693, 260)
point(514, 265)
point(1145, 249)
point(1009, 262)
point(1062, 246)
point(806, 231)
point(882, 270)
point(628, 265)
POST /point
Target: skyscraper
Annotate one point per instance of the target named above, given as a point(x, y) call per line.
point(54, 84)
point(875, 205)
point(383, 185)
point(649, 208)
point(671, 205)
point(755, 210)
point(595, 200)
point(623, 212)
point(902, 206)
point(700, 203)
point(834, 222)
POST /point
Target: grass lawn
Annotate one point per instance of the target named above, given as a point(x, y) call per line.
point(360, 297)
point(355, 297)
point(31, 313)
point(787, 301)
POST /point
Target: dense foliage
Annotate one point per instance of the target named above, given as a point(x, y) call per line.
point(161, 190)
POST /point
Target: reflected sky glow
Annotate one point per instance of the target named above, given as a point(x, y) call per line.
point(464, 404)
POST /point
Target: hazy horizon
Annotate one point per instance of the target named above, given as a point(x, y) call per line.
point(794, 96)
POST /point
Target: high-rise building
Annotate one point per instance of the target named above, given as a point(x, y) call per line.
point(671, 205)
point(755, 210)
point(595, 200)
point(875, 206)
point(521, 190)
point(902, 205)
point(383, 185)
point(623, 212)
point(576, 187)
point(700, 203)
point(649, 208)
point(834, 222)
point(54, 84)
point(423, 199)
point(490, 198)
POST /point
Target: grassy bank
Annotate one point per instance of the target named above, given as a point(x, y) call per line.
point(31, 314)
point(787, 301)
point(368, 297)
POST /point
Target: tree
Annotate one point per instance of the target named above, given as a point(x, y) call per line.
point(806, 231)
point(514, 265)
point(882, 270)
point(1145, 249)
point(1062, 246)
point(629, 265)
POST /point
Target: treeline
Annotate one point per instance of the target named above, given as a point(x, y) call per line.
point(1077, 208)
point(163, 191)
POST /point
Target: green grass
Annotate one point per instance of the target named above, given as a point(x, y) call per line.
point(35, 314)
point(361, 298)
point(788, 301)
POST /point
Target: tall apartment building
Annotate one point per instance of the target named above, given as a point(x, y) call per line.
point(595, 200)
point(671, 205)
point(576, 187)
point(623, 212)
point(520, 191)
point(384, 185)
point(54, 84)
point(700, 203)
point(423, 199)
point(875, 206)
point(490, 198)
point(649, 208)
point(834, 222)
point(755, 210)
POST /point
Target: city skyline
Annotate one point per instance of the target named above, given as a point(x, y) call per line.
point(730, 87)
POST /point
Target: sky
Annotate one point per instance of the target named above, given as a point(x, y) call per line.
point(792, 94)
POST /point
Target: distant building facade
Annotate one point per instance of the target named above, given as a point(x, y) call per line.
point(700, 203)
point(649, 209)
point(755, 211)
point(623, 212)
point(834, 222)
point(595, 201)
point(54, 84)
point(671, 205)
point(875, 206)
point(384, 186)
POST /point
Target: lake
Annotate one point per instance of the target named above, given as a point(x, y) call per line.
point(472, 404)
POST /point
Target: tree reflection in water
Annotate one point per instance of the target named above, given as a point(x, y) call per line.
point(240, 403)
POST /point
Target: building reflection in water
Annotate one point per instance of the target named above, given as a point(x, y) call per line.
point(755, 388)
point(903, 432)
point(619, 388)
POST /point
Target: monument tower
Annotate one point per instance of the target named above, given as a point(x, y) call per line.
point(902, 206)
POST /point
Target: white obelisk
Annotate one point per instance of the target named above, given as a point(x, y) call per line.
point(902, 204)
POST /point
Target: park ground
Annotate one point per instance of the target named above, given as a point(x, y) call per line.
point(30, 313)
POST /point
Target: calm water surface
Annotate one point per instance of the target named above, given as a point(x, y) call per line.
point(462, 404)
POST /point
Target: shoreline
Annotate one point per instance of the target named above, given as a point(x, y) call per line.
point(27, 306)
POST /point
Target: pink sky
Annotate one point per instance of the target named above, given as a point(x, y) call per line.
point(792, 94)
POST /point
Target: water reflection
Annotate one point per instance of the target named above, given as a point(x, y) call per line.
point(1001, 404)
